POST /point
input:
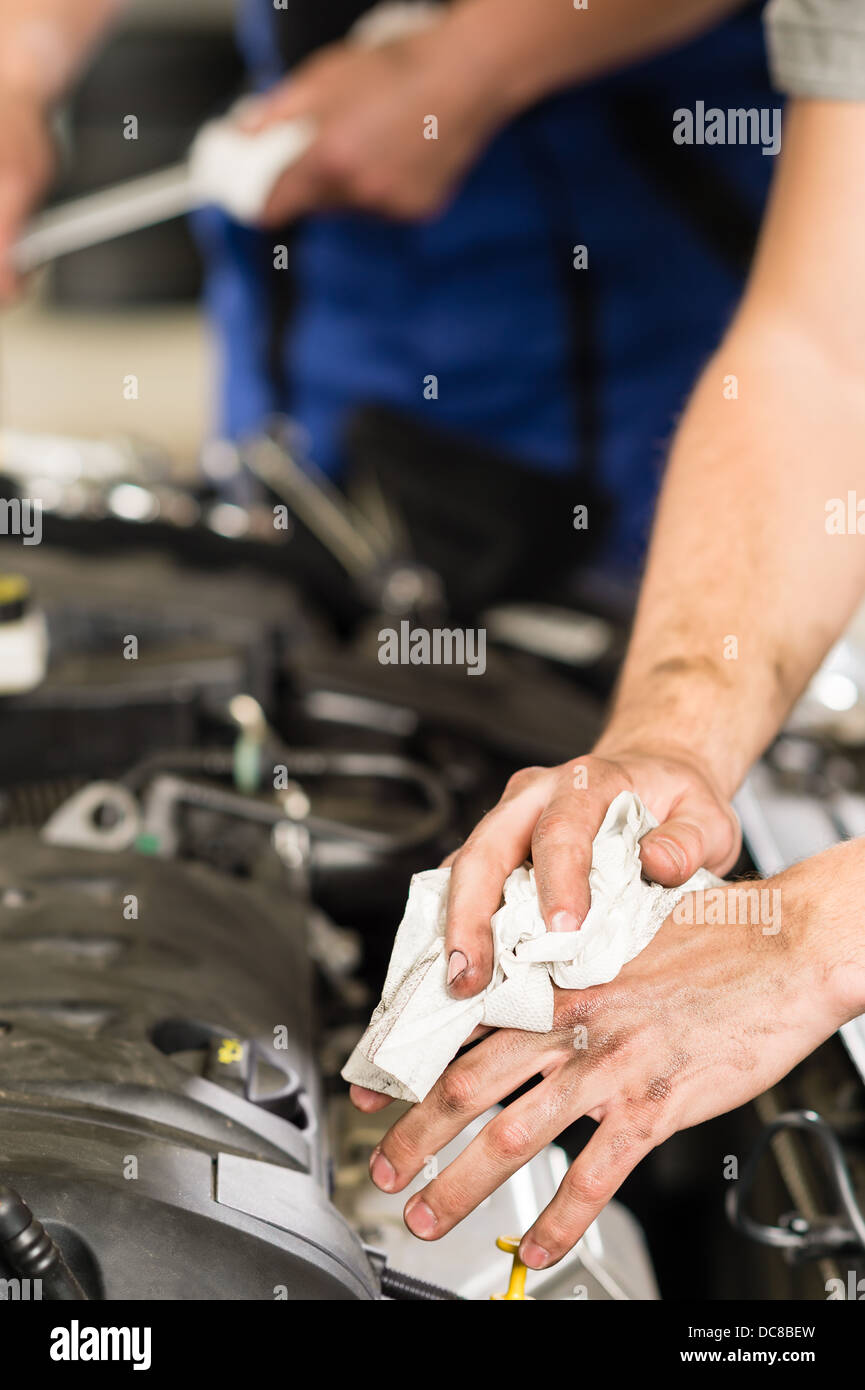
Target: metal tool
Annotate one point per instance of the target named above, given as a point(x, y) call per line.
point(227, 166)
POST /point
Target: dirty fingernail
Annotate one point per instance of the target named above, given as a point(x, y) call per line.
point(533, 1255)
point(420, 1220)
point(564, 921)
point(382, 1171)
point(456, 965)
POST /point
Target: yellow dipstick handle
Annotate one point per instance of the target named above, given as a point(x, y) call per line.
point(517, 1286)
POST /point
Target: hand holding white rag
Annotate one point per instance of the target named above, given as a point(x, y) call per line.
point(418, 1028)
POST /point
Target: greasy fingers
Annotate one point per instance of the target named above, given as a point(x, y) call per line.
point(563, 836)
point(497, 846)
point(508, 1141)
point(592, 1180)
point(700, 832)
point(470, 1086)
point(552, 814)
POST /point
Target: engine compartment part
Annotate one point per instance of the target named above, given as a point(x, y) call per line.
point(173, 1021)
point(159, 1103)
point(611, 1262)
point(800, 1237)
point(28, 1248)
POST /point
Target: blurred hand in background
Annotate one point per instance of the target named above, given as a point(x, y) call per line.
point(398, 126)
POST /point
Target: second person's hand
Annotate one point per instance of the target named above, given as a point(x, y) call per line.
point(397, 126)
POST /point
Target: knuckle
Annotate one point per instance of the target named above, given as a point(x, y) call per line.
point(649, 1120)
point(471, 855)
point(512, 1139)
point(608, 1046)
point(632, 1140)
point(521, 781)
point(552, 828)
point(576, 1006)
point(457, 1093)
point(588, 1188)
point(481, 852)
point(658, 1091)
point(400, 1148)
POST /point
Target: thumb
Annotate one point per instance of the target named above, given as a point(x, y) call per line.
point(674, 851)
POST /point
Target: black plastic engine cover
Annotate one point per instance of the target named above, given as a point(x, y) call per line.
point(159, 1109)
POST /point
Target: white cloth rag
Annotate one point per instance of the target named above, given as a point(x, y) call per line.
point(418, 1028)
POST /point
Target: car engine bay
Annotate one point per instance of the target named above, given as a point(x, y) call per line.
point(210, 810)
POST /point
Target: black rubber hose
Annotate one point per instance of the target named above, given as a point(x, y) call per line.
point(28, 1248)
point(406, 1289)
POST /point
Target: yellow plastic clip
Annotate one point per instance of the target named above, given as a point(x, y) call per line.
point(517, 1285)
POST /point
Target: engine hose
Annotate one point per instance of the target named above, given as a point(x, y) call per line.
point(406, 1289)
point(29, 1249)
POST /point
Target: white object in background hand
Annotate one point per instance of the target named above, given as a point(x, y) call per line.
point(238, 170)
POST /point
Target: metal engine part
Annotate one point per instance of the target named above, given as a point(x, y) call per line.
point(159, 1103)
point(611, 1262)
point(803, 798)
point(160, 1109)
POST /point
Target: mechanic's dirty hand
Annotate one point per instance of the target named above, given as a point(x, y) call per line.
point(26, 166)
point(706, 1018)
point(552, 815)
point(372, 109)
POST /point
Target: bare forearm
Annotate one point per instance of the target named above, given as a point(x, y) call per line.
point(748, 582)
point(43, 43)
point(534, 47)
point(745, 590)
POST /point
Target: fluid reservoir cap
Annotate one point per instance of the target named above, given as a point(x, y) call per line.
point(15, 595)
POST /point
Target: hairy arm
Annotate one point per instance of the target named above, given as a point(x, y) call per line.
point(746, 589)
